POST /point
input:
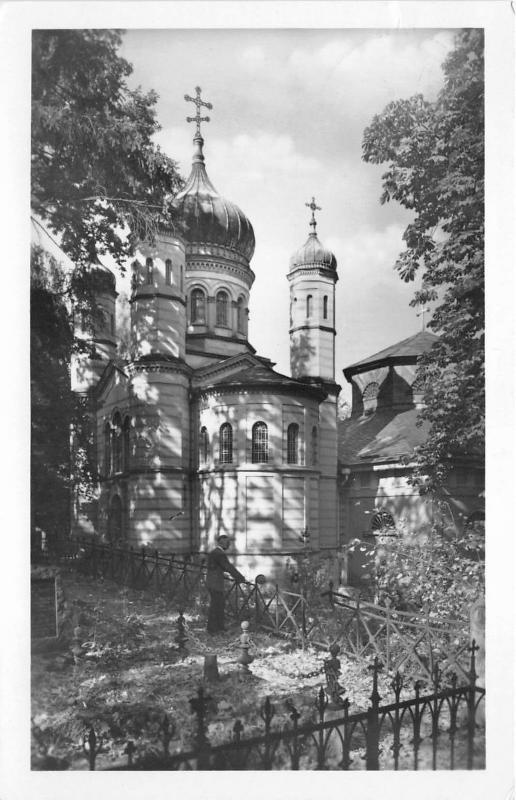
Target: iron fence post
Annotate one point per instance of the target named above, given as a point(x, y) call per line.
point(199, 706)
point(471, 694)
point(267, 714)
point(320, 703)
point(373, 727)
point(397, 685)
point(435, 708)
point(416, 741)
point(294, 716)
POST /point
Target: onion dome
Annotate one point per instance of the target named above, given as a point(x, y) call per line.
point(102, 277)
point(313, 253)
point(207, 217)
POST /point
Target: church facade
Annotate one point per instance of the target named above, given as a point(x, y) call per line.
point(196, 434)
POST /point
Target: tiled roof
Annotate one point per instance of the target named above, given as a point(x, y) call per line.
point(385, 435)
point(259, 375)
point(412, 347)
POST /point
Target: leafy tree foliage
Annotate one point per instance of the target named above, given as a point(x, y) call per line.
point(52, 400)
point(94, 166)
point(99, 183)
point(435, 157)
point(443, 572)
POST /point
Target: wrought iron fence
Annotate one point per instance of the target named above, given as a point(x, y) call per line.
point(435, 730)
point(410, 643)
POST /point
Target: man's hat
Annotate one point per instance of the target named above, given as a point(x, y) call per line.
point(222, 536)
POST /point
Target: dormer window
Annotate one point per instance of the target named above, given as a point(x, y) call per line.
point(370, 397)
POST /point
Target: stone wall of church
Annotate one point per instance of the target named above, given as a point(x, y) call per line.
point(264, 507)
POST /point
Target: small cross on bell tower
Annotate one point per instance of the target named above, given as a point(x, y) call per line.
point(313, 207)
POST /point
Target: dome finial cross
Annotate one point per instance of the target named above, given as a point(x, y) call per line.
point(198, 103)
point(313, 207)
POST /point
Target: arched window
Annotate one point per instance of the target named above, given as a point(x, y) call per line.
point(309, 305)
point(149, 278)
point(293, 443)
point(107, 449)
point(116, 443)
point(240, 315)
point(221, 304)
point(168, 272)
point(325, 306)
point(204, 444)
point(197, 307)
point(260, 443)
point(382, 524)
point(315, 444)
point(226, 444)
point(126, 444)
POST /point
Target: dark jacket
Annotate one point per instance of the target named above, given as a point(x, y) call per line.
point(218, 564)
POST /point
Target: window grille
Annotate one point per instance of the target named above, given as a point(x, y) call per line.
point(293, 443)
point(260, 443)
point(240, 315)
point(107, 449)
point(203, 446)
point(226, 444)
point(315, 444)
point(221, 303)
point(150, 271)
point(116, 443)
point(126, 443)
point(197, 306)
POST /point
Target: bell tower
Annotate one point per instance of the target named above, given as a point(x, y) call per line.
point(312, 277)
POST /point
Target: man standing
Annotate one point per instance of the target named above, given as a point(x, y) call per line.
point(218, 564)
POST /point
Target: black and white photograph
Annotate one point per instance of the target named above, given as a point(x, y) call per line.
point(255, 519)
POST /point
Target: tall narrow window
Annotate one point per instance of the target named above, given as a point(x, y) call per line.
point(315, 444)
point(204, 444)
point(149, 278)
point(107, 449)
point(181, 278)
point(222, 309)
point(126, 434)
point(325, 306)
point(309, 305)
point(168, 272)
point(197, 307)
point(226, 444)
point(293, 443)
point(240, 315)
point(260, 443)
point(116, 440)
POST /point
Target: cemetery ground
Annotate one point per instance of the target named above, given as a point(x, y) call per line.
point(129, 674)
point(123, 672)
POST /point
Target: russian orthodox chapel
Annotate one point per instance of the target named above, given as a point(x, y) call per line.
point(197, 434)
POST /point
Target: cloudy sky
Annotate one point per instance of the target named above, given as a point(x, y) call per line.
point(289, 111)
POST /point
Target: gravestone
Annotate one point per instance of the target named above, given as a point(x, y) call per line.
point(44, 620)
